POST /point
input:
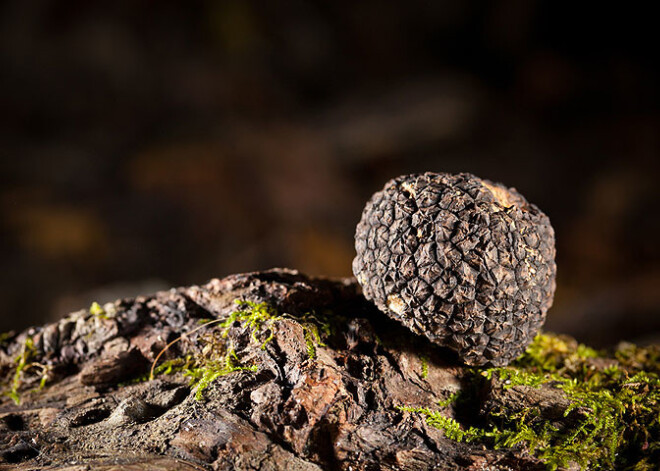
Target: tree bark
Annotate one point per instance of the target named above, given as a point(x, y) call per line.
point(296, 401)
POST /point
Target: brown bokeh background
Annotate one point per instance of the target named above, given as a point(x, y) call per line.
point(147, 144)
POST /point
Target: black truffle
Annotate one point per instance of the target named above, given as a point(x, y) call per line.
point(467, 262)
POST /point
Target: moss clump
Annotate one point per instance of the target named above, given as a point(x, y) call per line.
point(204, 373)
point(23, 364)
point(314, 329)
point(452, 428)
point(218, 354)
point(97, 311)
point(425, 366)
point(614, 411)
point(453, 397)
point(259, 318)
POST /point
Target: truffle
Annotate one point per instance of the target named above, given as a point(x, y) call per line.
point(467, 262)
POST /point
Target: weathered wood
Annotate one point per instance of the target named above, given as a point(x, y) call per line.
point(306, 403)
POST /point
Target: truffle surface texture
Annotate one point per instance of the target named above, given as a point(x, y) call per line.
point(467, 262)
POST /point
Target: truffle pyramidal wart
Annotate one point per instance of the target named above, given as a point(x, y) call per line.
point(466, 262)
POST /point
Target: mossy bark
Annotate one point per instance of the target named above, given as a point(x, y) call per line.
point(301, 374)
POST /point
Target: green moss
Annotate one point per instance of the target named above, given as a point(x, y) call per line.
point(511, 377)
point(168, 367)
point(202, 370)
point(614, 411)
point(218, 356)
point(618, 404)
point(24, 363)
point(203, 375)
point(259, 318)
point(453, 397)
point(451, 428)
point(313, 327)
point(643, 359)
point(97, 311)
point(425, 366)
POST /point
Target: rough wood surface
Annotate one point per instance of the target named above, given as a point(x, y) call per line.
point(335, 407)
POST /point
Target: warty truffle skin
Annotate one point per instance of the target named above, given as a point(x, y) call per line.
point(467, 262)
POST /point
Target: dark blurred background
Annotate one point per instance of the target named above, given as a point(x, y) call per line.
point(148, 144)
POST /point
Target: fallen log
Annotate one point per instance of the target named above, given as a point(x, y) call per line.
point(276, 370)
